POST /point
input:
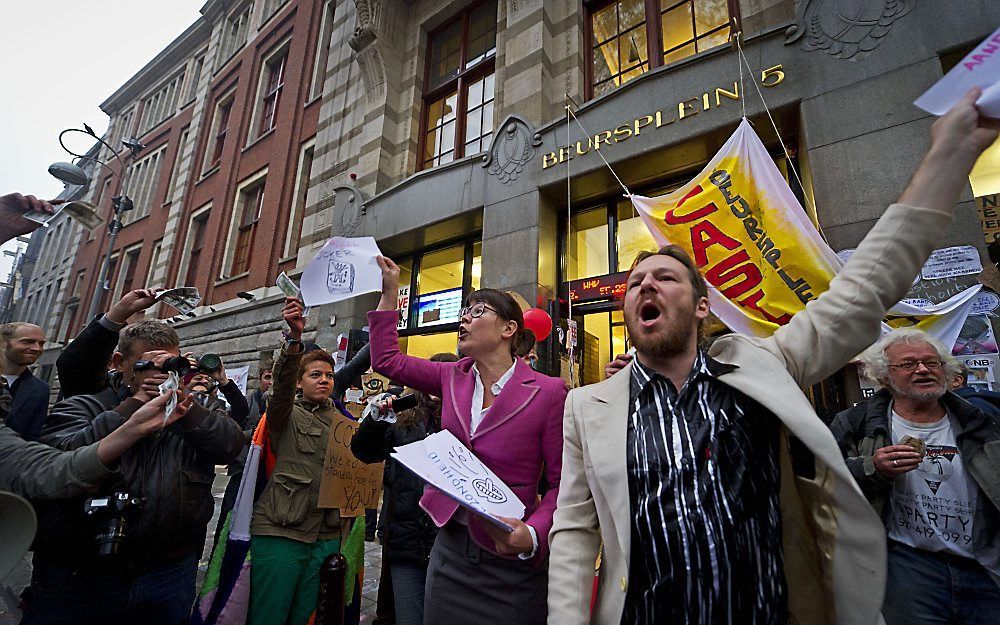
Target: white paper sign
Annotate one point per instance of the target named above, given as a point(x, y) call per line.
point(980, 68)
point(239, 375)
point(985, 302)
point(445, 463)
point(949, 262)
point(342, 269)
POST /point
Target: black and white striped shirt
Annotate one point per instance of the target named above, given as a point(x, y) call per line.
point(703, 484)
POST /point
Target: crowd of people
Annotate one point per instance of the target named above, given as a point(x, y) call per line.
point(694, 485)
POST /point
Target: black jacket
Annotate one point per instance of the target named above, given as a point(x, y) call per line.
point(29, 406)
point(409, 533)
point(173, 470)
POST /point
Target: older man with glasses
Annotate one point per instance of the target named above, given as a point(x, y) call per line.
point(928, 462)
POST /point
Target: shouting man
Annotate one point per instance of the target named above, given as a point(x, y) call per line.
point(719, 494)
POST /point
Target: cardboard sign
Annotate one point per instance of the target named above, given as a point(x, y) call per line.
point(348, 484)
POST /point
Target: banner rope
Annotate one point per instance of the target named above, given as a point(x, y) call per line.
point(795, 172)
point(569, 238)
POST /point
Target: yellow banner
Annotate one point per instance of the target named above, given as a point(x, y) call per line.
point(761, 256)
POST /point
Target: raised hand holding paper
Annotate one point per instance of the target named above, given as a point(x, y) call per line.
point(445, 463)
point(980, 68)
point(341, 270)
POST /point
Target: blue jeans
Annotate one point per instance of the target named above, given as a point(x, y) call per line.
point(925, 588)
point(159, 596)
point(408, 581)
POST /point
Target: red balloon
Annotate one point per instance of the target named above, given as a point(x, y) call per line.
point(539, 322)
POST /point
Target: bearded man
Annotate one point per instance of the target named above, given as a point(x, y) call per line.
point(719, 495)
point(928, 462)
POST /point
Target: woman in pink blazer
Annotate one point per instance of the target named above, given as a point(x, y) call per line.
point(509, 416)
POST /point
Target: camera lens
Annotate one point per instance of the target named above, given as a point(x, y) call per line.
point(209, 362)
point(179, 364)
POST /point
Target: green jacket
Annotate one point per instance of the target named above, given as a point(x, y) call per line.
point(299, 431)
point(41, 472)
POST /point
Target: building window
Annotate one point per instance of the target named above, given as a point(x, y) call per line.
point(162, 104)
point(108, 286)
point(630, 37)
point(322, 57)
point(270, 8)
point(196, 243)
point(123, 129)
point(458, 101)
point(234, 33)
point(249, 207)
point(299, 199)
point(175, 171)
point(436, 283)
point(197, 67)
point(126, 279)
point(154, 260)
point(142, 184)
point(273, 83)
point(220, 130)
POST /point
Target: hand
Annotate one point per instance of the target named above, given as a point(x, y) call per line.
point(616, 365)
point(511, 544)
point(962, 132)
point(12, 208)
point(895, 460)
point(131, 303)
point(292, 314)
point(149, 418)
point(145, 384)
point(390, 276)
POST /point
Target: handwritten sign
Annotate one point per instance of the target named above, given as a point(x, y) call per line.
point(342, 269)
point(980, 68)
point(348, 484)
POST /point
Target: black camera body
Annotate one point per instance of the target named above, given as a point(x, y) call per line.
point(206, 363)
point(110, 515)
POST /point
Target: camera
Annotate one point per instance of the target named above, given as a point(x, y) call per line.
point(206, 363)
point(110, 514)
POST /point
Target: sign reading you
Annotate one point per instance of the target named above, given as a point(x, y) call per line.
point(770, 77)
point(348, 484)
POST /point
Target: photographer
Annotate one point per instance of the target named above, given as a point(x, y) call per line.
point(151, 579)
point(207, 378)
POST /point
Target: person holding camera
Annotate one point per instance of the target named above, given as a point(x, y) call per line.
point(290, 534)
point(152, 526)
point(207, 378)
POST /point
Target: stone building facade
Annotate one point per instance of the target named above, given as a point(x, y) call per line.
point(440, 128)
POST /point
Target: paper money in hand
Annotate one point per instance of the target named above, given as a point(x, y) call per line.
point(183, 298)
point(172, 383)
point(287, 286)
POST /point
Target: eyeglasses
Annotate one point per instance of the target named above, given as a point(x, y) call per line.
point(911, 365)
point(476, 310)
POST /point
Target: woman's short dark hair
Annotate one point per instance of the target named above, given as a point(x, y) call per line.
point(505, 306)
point(526, 344)
point(315, 355)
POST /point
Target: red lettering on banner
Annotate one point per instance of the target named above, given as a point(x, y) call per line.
point(729, 269)
point(704, 235)
point(673, 219)
point(753, 303)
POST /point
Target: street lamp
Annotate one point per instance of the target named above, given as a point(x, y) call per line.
point(71, 173)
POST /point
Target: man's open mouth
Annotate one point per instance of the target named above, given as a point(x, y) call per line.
point(649, 313)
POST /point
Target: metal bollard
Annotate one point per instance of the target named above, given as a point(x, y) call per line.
point(332, 578)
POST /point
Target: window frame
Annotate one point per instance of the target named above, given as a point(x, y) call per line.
point(459, 84)
point(201, 215)
point(279, 52)
point(654, 35)
point(216, 145)
point(235, 216)
point(293, 232)
point(415, 259)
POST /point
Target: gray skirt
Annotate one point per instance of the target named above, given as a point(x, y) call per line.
point(467, 584)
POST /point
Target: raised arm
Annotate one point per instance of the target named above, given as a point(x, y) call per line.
point(286, 370)
point(846, 318)
point(418, 373)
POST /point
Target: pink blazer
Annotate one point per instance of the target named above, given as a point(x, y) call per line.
point(519, 437)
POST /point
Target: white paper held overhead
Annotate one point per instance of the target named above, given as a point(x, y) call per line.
point(980, 68)
point(342, 269)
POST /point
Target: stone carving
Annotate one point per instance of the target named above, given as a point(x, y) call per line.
point(366, 51)
point(846, 29)
point(513, 146)
point(348, 209)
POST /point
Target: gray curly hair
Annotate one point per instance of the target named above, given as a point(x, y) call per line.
point(875, 363)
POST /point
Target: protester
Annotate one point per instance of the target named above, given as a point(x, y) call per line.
point(207, 385)
point(525, 349)
point(258, 398)
point(22, 345)
point(986, 400)
point(927, 460)
point(698, 468)
point(83, 364)
point(509, 416)
point(290, 534)
point(151, 578)
point(409, 533)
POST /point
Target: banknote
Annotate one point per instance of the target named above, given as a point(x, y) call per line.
point(183, 298)
point(287, 286)
point(172, 383)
